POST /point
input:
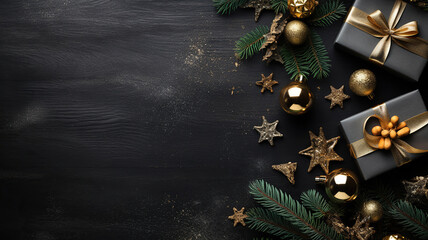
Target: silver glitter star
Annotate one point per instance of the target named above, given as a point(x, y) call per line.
point(268, 131)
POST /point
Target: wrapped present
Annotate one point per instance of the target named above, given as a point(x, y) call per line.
point(395, 143)
point(390, 33)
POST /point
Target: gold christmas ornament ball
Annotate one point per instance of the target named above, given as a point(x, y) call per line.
point(301, 8)
point(372, 209)
point(363, 82)
point(395, 237)
point(296, 98)
point(296, 32)
point(341, 185)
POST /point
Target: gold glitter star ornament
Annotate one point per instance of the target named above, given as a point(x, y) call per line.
point(267, 83)
point(287, 169)
point(258, 6)
point(238, 216)
point(321, 151)
point(337, 97)
point(268, 131)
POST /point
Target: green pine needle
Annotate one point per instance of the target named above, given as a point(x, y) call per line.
point(313, 200)
point(411, 218)
point(317, 56)
point(280, 6)
point(268, 222)
point(227, 6)
point(326, 13)
point(294, 61)
point(250, 44)
point(285, 206)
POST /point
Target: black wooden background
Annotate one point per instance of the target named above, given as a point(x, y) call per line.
point(118, 122)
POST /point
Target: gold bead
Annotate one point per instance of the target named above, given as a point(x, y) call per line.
point(296, 32)
point(296, 98)
point(301, 8)
point(372, 209)
point(362, 82)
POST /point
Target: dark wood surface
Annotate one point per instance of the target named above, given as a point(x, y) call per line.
point(118, 122)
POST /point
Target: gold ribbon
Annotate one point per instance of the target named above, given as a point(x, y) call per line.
point(400, 149)
point(376, 25)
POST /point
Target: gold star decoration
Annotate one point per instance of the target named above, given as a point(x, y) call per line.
point(337, 97)
point(267, 82)
point(361, 229)
point(268, 131)
point(321, 151)
point(287, 169)
point(416, 189)
point(258, 6)
point(238, 217)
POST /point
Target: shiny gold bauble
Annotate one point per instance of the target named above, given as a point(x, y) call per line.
point(301, 8)
point(372, 209)
point(363, 82)
point(296, 98)
point(296, 32)
point(341, 185)
point(395, 237)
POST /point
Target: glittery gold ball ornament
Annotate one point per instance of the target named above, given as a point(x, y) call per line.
point(301, 8)
point(296, 98)
point(395, 237)
point(296, 32)
point(341, 185)
point(372, 209)
point(363, 82)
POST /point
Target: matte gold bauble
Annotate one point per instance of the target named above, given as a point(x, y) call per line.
point(372, 209)
point(363, 82)
point(395, 237)
point(301, 8)
point(296, 32)
point(341, 185)
point(296, 98)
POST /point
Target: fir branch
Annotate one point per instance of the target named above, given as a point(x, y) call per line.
point(267, 221)
point(317, 56)
point(284, 205)
point(326, 13)
point(227, 6)
point(294, 61)
point(411, 218)
point(249, 44)
point(312, 200)
point(280, 6)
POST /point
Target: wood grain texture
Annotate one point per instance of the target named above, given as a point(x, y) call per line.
point(117, 119)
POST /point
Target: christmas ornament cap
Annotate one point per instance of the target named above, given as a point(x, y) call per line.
point(296, 98)
point(341, 185)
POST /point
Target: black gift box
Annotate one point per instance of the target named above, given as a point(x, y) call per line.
point(380, 161)
point(399, 61)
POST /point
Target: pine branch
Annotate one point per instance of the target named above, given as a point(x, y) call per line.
point(284, 205)
point(312, 200)
point(411, 218)
point(317, 56)
point(266, 221)
point(326, 13)
point(249, 44)
point(280, 6)
point(227, 6)
point(294, 61)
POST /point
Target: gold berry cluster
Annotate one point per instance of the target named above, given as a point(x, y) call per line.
point(394, 130)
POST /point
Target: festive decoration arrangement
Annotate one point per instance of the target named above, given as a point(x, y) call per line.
point(363, 82)
point(238, 216)
point(287, 169)
point(308, 59)
point(268, 131)
point(416, 189)
point(296, 98)
point(321, 151)
point(267, 83)
point(337, 96)
point(341, 185)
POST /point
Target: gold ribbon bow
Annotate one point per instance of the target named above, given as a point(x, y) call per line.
point(376, 25)
point(400, 149)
